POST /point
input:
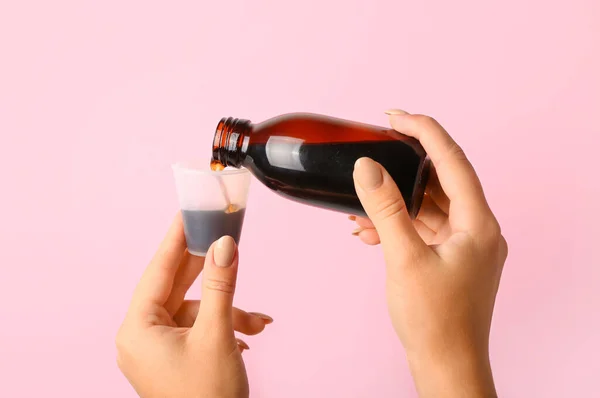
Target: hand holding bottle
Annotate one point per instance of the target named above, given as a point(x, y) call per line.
point(443, 268)
point(171, 347)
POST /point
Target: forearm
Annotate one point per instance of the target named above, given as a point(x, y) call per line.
point(461, 374)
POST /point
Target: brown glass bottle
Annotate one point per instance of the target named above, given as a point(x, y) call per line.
point(310, 158)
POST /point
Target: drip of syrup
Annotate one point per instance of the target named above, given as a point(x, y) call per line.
point(215, 165)
point(218, 166)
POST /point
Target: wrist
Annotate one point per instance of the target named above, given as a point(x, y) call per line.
point(461, 373)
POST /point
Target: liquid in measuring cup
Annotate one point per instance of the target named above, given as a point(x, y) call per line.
point(203, 227)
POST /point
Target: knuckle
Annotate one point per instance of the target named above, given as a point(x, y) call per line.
point(120, 362)
point(220, 285)
point(503, 247)
point(503, 243)
point(123, 347)
point(426, 121)
point(456, 151)
point(492, 234)
point(389, 207)
point(453, 151)
point(495, 232)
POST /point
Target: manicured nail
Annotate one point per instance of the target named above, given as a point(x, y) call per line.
point(242, 344)
point(352, 218)
point(224, 251)
point(264, 317)
point(357, 231)
point(396, 112)
point(368, 174)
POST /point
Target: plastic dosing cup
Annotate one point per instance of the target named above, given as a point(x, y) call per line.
point(213, 203)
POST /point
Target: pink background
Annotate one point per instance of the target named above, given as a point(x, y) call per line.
point(98, 98)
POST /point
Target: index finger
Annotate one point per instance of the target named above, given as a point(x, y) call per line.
point(156, 283)
point(457, 176)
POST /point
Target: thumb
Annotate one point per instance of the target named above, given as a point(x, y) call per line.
point(218, 286)
point(383, 203)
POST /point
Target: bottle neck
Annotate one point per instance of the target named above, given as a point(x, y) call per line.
point(228, 144)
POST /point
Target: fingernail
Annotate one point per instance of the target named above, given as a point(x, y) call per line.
point(368, 174)
point(264, 317)
point(396, 112)
point(352, 218)
point(357, 231)
point(242, 344)
point(224, 251)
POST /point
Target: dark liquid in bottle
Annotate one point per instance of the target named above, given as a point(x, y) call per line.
point(203, 227)
point(310, 158)
point(321, 174)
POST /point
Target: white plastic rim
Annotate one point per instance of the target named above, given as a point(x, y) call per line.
point(199, 188)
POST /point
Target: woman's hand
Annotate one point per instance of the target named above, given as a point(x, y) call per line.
point(171, 347)
point(443, 269)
